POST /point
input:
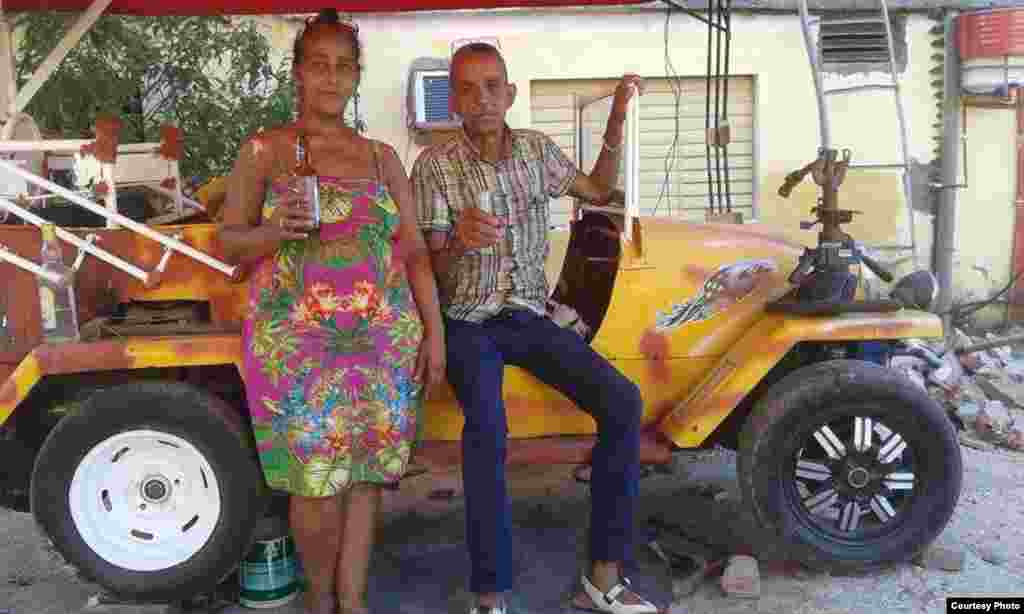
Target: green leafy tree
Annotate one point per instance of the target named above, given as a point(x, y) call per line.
point(212, 77)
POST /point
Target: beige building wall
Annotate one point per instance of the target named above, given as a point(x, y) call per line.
point(602, 44)
point(985, 216)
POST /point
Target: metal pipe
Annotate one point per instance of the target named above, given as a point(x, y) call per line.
point(988, 345)
point(171, 194)
point(35, 198)
point(945, 219)
point(904, 139)
point(815, 61)
point(632, 162)
point(707, 118)
point(8, 80)
point(718, 106)
point(28, 265)
point(127, 222)
point(72, 145)
point(78, 242)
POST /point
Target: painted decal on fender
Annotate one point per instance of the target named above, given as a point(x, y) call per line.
point(727, 286)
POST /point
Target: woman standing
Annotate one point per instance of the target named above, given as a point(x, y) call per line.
point(344, 331)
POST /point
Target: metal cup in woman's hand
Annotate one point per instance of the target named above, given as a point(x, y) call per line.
point(307, 189)
point(311, 197)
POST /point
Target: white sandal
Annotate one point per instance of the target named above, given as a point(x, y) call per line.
point(606, 602)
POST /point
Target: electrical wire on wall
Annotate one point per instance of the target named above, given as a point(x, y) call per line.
point(719, 24)
point(718, 29)
point(725, 11)
point(671, 157)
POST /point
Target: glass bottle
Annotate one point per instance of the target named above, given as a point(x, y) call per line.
point(56, 300)
point(305, 181)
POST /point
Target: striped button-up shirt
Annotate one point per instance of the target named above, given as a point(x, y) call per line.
point(449, 178)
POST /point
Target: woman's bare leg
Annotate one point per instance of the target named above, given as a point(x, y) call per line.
point(361, 508)
point(317, 525)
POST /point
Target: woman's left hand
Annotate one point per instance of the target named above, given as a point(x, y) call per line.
point(430, 364)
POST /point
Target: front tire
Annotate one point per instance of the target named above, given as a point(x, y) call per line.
point(849, 466)
point(149, 490)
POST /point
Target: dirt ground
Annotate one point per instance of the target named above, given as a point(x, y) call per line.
point(420, 564)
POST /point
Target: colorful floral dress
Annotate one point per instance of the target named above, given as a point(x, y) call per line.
point(330, 348)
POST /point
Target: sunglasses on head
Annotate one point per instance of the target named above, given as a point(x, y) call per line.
point(315, 19)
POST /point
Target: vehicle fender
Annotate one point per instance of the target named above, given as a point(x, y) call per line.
point(116, 355)
point(762, 346)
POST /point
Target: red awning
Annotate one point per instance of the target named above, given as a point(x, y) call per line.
point(258, 7)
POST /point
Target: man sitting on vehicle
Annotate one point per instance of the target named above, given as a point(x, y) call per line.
point(490, 266)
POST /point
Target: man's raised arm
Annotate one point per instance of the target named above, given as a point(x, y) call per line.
point(599, 186)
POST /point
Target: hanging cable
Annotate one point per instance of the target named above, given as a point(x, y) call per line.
point(672, 155)
point(692, 13)
point(725, 102)
point(718, 101)
point(707, 116)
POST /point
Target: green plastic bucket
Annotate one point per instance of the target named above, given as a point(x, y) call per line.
point(268, 576)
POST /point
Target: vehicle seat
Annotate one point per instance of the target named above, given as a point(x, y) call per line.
point(589, 270)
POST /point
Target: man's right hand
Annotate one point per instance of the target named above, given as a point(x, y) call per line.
point(476, 229)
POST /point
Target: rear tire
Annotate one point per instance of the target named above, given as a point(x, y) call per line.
point(849, 466)
point(150, 490)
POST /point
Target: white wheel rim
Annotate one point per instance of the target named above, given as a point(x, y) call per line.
point(145, 500)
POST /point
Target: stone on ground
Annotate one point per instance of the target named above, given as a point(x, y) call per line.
point(993, 554)
point(945, 558)
point(742, 577)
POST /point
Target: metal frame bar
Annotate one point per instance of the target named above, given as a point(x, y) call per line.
point(8, 80)
point(755, 146)
point(52, 61)
point(72, 145)
point(162, 191)
point(23, 263)
point(81, 244)
point(693, 13)
point(904, 139)
point(859, 88)
point(826, 135)
point(632, 160)
point(815, 60)
point(117, 218)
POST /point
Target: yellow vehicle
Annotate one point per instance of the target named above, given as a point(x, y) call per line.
point(147, 479)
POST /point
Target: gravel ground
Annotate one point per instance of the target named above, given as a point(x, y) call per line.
point(420, 563)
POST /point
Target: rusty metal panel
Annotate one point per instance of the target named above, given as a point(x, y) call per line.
point(99, 286)
point(762, 347)
point(117, 355)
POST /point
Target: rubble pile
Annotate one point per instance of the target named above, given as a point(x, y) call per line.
point(979, 380)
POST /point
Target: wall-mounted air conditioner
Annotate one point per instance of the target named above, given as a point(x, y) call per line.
point(428, 94)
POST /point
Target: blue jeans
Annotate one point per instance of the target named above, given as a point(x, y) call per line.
point(477, 355)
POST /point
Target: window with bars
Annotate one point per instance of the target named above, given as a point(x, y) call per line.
point(673, 173)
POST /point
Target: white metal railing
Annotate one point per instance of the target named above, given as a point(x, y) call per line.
point(631, 141)
point(169, 243)
point(28, 265)
point(82, 244)
point(49, 66)
point(72, 145)
point(159, 189)
point(631, 155)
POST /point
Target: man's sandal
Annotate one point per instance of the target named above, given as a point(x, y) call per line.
point(607, 602)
